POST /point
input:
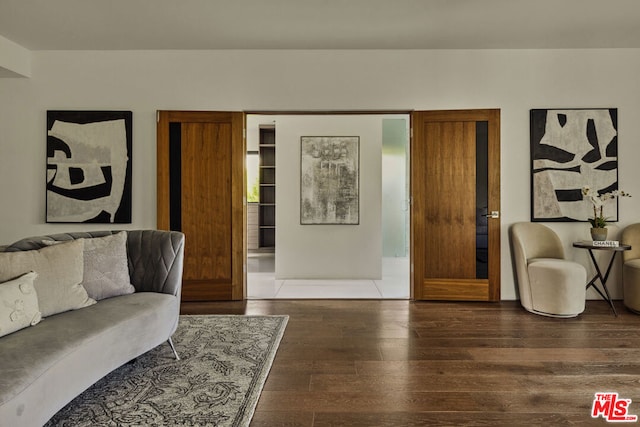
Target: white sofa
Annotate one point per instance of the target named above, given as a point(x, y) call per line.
point(43, 367)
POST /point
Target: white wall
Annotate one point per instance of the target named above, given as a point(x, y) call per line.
point(333, 251)
point(328, 251)
point(144, 81)
point(15, 61)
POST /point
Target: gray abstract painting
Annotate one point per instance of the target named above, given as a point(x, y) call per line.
point(570, 149)
point(329, 180)
point(89, 166)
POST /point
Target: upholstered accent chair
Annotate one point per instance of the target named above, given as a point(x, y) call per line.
point(549, 284)
point(631, 267)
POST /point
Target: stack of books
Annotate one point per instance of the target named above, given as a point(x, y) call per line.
point(604, 243)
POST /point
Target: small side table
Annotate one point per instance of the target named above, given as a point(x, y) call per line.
point(603, 279)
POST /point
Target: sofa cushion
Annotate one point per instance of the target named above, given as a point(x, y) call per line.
point(59, 282)
point(106, 270)
point(74, 349)
point(18, 304)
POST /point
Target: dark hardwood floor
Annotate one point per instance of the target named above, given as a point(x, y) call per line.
point(403, 363)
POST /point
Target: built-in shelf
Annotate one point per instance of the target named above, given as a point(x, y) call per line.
point(267, 204)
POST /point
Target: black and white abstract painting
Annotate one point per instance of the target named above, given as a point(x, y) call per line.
point(570, 149)
point(89, 166)
point(329, 180)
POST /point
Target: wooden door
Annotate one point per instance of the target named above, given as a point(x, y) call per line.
point(200, 192)
point(455, 186)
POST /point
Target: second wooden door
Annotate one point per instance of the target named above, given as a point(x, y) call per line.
point(455, 180)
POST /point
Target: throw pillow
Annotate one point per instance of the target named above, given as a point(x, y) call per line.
point(59, 269)
point(106, 269)
point(18, 304)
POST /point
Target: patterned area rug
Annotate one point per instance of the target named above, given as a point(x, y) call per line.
point(224, 364)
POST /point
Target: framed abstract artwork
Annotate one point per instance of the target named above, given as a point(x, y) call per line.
point(571, 149)
point(329, 180)
point(89, 166)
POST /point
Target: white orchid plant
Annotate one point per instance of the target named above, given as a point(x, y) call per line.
point(597, 201)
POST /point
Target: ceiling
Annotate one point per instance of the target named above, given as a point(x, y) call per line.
point(320, 24)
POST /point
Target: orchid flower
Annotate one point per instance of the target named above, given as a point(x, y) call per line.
point(597, 200)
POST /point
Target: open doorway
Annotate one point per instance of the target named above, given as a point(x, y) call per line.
point(365, 259)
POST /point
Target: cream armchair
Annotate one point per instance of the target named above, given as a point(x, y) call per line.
point(549, 284)
point(631, 267)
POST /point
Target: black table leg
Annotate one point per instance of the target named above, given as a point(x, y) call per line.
point(603, 279)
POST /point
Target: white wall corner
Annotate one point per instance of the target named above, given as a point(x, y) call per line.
point(15, 60)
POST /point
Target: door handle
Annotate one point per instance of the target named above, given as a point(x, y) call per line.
point(493, 214)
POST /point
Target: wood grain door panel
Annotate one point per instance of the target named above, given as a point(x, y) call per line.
point(201, 196)
point(444, 206)
point(450, 219)
point(206, 219)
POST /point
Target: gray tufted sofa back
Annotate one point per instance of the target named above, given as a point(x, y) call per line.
point(155, 256)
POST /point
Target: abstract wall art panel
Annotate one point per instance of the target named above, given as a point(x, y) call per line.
point(329, 180)
point(89, 166)
point(570, 149)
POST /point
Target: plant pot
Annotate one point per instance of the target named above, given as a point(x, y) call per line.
point(599, 234)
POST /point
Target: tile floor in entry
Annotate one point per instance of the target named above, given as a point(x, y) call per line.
point(262, 284)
